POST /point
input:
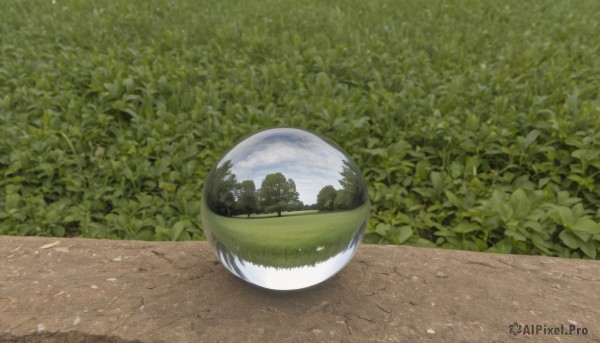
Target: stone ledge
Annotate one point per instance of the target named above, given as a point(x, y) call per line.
point(84, 290)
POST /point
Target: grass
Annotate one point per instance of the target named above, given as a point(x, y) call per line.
point(476, 123)
point(287, 241)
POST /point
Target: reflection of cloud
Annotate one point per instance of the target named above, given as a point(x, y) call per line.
point(307, 159)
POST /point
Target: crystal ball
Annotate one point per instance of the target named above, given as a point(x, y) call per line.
point(285, 209)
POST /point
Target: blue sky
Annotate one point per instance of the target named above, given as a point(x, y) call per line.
point(297, 154)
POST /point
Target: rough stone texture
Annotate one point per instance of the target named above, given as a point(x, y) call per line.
point(83, 290)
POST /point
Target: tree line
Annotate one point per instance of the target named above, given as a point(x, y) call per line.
point(227, 196)
point(349, 196)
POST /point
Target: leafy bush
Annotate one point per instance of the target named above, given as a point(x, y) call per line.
point(475, 123)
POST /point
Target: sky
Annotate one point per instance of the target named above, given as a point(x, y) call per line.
point(309, 160)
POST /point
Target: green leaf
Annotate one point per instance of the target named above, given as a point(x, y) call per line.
point(566, 215)
point(372, 238)
point(584, 236)
point(503, 247)
point(586, 225)
point(58, 231)
point(516, 235)
point(520, 203)
point(436, 181)
point(12, 201)
point(533, 225)
point(569, 239)
point(382, 229)
point(452, 199)
point(185, 236)
point(145, 234)
point(531, 137)
point(541, 244)
point(589, 248)
point(466, 227)
point(404, 233)
point(444, 233)
point(505, 211)
point(424, 243)
point(378, 151)
point(178, 228)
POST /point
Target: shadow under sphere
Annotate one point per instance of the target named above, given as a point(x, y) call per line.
point(285, 209)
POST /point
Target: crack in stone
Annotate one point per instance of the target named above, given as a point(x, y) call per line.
point(163, 256)
point(349, 316)
point(515, 266)
point(363, 262)
point(399, 273)
point(364, 266)
point(384, 287)
point(537, 271)
point(195, 277)
point(367, 319)
point(484, 264)
point(143, 247)
point(20, 324)
point(383, 309)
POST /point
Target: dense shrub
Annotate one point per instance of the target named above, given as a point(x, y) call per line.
point(475, 122)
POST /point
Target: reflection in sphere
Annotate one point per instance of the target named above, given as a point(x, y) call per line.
point(285, 209)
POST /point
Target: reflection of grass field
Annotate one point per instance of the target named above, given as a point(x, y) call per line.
point(288, 241)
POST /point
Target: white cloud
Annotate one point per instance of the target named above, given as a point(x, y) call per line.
point(307, 159)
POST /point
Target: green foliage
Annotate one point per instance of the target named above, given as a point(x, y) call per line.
point(248, 200)
point(277, 194)
point(475, 123)
point(326, 197)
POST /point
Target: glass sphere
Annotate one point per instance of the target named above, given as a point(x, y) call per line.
point(285, 209)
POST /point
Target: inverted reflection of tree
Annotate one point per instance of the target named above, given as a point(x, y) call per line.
point(230, 260)
point(359, 235)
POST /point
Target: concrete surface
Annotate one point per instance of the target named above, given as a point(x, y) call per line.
point(84, 290)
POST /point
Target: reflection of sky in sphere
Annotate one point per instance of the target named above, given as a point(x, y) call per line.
point(307, 159)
